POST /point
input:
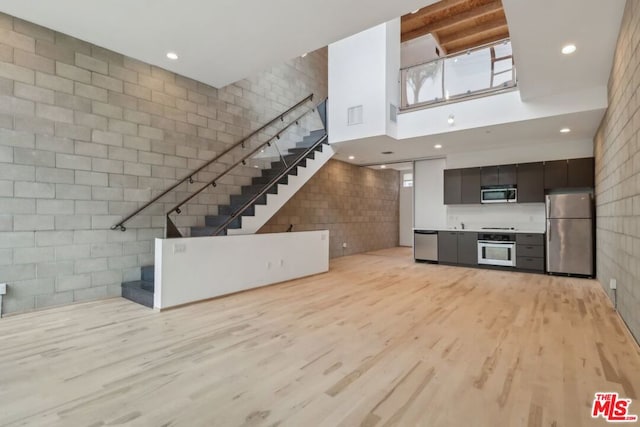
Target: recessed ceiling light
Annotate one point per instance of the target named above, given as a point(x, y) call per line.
point(303, 55)
point(352, 157)
point(451, 119)
point(383, 166)
point(415, 11)
point(437, 146)
point(255, 166)
point(569, 49)
point(172, 56)
point(565, 130)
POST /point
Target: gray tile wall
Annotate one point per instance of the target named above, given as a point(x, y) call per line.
point(358, 205)
point(617, 152)
point(88, 135)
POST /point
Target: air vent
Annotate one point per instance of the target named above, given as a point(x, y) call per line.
point(354, 115)
point(393, 113)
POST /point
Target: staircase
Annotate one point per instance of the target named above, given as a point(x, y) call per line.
point(256, 214)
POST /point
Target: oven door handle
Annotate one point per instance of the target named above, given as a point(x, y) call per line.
point(489, 242)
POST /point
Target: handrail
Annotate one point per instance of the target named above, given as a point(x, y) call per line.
point(176, 208)
point(190, 176)
point(461, 53)
point(268, 186)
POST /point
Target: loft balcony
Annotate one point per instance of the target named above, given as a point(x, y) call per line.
point(480, 71)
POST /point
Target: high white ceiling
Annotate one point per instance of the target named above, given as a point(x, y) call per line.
point(219, 41)
point(539, 29)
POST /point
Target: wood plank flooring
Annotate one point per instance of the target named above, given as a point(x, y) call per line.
point(377, 341)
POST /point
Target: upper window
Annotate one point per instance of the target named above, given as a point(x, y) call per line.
point(407, 179)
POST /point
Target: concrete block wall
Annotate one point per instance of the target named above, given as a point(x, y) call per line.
point(358, 205)
point(617, 153)
point(87, 135)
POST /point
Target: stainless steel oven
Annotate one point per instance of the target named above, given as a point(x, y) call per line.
point(501, 194)
point(497, 249)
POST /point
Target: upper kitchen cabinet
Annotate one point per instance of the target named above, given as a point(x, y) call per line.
point(555, 174)
point(471, 186)
point(572, 173)
point(498, 175)
point(581, 172)
point(452, 186)
point(530, 182)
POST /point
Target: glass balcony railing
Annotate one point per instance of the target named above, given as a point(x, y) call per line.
point(481, 70)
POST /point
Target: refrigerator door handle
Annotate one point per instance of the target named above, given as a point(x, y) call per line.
point(549, 233)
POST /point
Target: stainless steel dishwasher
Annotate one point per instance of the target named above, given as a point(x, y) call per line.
point(425, 245)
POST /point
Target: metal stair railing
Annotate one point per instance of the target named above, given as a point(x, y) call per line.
point(171, 229)
point(238, 212)
point(189, 177)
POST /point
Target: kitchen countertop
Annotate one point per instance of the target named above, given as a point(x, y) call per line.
point(478, 230)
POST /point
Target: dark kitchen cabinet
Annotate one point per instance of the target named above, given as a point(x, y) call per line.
point(452, 186)
point(448, 247)
point(530, 252)
point(507, 175)
point(489, 175)
point(471, 186)
point(580, 172)
point(530, 182)
point(555, 174)
point(467, 248)
point(498, 175)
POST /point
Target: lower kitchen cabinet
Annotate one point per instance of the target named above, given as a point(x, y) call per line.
point(458, 247)
point(448, 247)
point(530, 252)
point(467, 248)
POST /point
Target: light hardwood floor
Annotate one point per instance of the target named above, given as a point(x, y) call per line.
point(378, 341)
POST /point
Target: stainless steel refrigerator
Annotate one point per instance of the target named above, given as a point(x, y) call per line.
point(570, 233)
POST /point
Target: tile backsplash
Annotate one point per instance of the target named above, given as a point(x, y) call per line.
point(527, 216)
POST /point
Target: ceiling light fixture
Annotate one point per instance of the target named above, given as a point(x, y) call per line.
point(451, 120)
point(569, 49)
point(352, 157)
point(437, 146)
point(415, 11)
point(565, 130)
point(303, 55)
point(172, 56)
point(383, 166)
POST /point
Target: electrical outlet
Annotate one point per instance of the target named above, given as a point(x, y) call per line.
point(179, 248)
point(3, 288)
point(344, 245)
point(613, 284)
point(281, 263)
point(268, 265)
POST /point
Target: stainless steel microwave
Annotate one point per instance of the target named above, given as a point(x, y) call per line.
point(502, 194)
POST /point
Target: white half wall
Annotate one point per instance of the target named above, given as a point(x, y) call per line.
point(198, 268)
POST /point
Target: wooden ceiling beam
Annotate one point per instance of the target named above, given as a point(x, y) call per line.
point(425, 12)
point(486, 39)
point(453, 21)
point(474, 31)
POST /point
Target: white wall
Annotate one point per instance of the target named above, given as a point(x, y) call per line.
point(497, 109)
point(392, 73)
point(524, 216)
point(406, 213)
point(419, 50)
point(194, 269)
point(357, 76)
point(428, 180)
